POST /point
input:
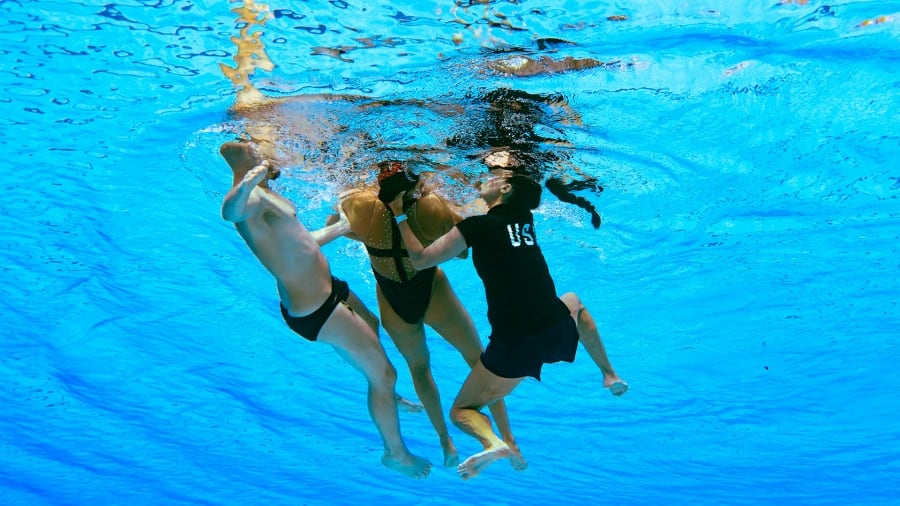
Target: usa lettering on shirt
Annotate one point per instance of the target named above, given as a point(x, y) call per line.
point(520, 234)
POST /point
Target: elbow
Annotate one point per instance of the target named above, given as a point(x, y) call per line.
point(229, 214)
point(419, 263)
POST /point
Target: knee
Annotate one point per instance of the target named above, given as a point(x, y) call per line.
point(463, 416)
point(419, 368)
point(387, 376)
point(372, 321)
point(578, 311)
point(391, 373)
point(472, 359)
point(414, 352)
point(571, 300)
point(456, 414)
point(582, 315)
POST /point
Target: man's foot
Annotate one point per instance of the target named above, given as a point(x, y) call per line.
point(451, 455)
point(617, 387)
point(410, 465)
point(516, 459)
point(239, 155)
point(473, 465)
point(407, 406)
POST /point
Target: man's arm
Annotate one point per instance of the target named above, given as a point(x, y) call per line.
point(336, 217)
point(240, 203)
point(444, 248)
point(331, 232)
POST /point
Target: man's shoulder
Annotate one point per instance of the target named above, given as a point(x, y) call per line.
point(271, 203)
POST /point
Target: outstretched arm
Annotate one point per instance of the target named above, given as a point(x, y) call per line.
point(332, 231)
point(433, 216)
point(336, 217)
point(240, 203)
point(444, 248)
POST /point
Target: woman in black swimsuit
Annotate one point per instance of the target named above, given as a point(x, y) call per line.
point(410, 298)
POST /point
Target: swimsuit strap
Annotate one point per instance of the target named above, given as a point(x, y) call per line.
point(385, 252)
point(398, 250)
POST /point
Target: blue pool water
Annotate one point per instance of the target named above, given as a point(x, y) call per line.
point(745, 277)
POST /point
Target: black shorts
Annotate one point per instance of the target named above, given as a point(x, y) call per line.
point(520, 355)
point(309, 326)
point(409, 299)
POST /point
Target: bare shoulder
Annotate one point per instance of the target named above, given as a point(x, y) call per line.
point(433, 206)
point(272, 202)
point(361, 206)
point(357, 201)
point(356, 194)
point(433, 216)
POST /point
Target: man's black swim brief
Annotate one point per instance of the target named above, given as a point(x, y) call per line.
point(309, 326)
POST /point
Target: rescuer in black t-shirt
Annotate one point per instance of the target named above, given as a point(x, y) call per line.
point(530, 324)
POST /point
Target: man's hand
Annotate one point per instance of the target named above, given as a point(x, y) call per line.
point(257, 174)
point(336, 225)
point(342, 218)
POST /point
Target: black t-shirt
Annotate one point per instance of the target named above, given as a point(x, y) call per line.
point(520, 293)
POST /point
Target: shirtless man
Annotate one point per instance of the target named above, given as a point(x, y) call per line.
point(409, 298)
point(314, 304)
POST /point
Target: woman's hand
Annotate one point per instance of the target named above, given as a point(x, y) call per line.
point(396, 205)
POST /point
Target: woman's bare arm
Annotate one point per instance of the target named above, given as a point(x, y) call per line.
point(444, 248)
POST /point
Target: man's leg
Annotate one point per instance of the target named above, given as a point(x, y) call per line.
point(480, 389)
point(590, 339)
point(354, 340)
point(363, 311)
point(449, 318)
point(239, 155)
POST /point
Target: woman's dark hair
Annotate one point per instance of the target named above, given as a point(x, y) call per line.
point(394, 177)
point(564, 193)
point(509, 120)
point(528, 166)
point(526, 193)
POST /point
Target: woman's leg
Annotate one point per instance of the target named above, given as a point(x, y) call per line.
point(410, 341)
point(449, 318)
point(481, 388)
point(590, 339)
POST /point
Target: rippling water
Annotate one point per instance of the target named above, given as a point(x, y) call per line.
point(745, 276)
